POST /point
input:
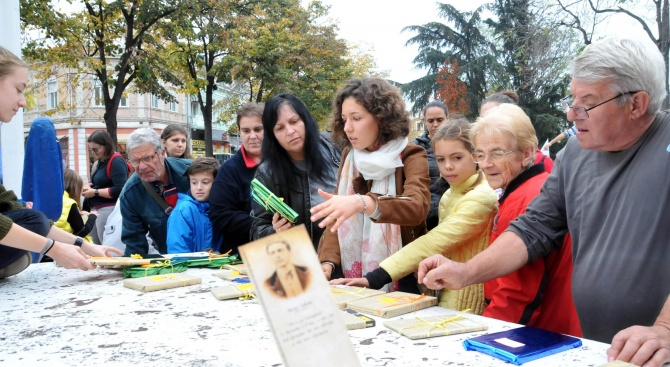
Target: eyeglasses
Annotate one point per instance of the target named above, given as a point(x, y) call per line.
point(146, 159)
point(95, 150)
point(581, 113)
point(494, 156)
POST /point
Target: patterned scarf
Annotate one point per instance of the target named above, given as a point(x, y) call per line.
point(363, 243)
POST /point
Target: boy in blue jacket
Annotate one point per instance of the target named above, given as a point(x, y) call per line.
point(189, 228)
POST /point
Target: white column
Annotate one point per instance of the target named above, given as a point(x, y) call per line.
point(11, 134)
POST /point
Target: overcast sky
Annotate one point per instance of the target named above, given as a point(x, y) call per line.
point(378, 25)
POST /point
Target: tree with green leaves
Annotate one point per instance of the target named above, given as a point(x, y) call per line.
point(284, 47)
point(199, 42)
point(112, 40)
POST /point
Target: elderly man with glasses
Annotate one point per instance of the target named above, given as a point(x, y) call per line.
point(149, 195)
point(610, 190)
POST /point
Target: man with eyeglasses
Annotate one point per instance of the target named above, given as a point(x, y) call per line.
point(149, 196)
point(610, 190)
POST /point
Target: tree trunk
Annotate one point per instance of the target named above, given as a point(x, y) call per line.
point(111, 122)
point(207, 116)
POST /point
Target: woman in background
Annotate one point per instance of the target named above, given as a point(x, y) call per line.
point(230, 200)
point(434, 115)
point(106, 184)
point(175, 141)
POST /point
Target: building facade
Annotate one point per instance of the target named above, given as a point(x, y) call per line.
point(74, 103)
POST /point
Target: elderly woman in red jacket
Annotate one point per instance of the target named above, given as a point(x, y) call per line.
point(539, 294)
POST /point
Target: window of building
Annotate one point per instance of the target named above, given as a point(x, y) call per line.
point(52, 94)
point(173, 105)
point(99, 99)
point(154, 101)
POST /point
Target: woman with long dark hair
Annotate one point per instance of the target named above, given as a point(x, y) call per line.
point(105, 185)
point(297, 161)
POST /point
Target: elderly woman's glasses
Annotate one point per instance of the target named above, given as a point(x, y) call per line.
point(582, 113)
point(494, 156)
point(146, 159)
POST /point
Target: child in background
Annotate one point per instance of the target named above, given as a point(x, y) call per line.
point(189, 228)
point(466, 213)
point(72, 220)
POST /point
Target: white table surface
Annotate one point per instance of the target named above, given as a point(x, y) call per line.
point(54, 317)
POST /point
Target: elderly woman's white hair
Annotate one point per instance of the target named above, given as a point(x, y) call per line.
point(144, 136)
point(507, 118)
point(630, 65)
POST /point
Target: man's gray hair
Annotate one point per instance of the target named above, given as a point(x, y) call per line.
point(628, 64)
point(142, 137)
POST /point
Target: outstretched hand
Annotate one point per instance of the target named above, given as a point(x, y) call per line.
point(336, 209)
point(99, 251)
point(356, 282)
point(438, 272)
point(69, 256)
point(641, 346)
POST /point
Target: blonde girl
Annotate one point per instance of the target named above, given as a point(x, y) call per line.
point(72, 220)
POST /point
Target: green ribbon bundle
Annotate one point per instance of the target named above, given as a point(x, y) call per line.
point(271, 202)
point(214, 262)
point(159, 268)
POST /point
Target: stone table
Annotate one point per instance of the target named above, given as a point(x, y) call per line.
point(57, 317)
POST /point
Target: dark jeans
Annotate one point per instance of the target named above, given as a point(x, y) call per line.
point(32, 220)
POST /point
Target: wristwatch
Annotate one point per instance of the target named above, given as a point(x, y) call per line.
point(96, 193)
point(79, 241)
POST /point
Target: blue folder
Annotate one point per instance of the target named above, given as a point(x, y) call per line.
point(522, 345)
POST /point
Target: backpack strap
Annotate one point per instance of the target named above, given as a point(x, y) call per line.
point(163, 204)
point(109, 164)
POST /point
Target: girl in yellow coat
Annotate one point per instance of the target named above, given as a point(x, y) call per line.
point(466, 215)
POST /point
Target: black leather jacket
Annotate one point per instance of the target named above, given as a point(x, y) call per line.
point(298, 195)
point(438, 185)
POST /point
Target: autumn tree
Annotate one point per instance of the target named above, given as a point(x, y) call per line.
point(451, 90)
point(111, 40)
point(461, 40)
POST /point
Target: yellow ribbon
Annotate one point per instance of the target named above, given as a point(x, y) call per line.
point(404, 300)
point(437, 325)
point(158, 264)
point(268, 199)
point(354, 293)
point(165, 277)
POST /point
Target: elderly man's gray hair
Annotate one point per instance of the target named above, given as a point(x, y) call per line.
point(630, 65)
point(142, 137)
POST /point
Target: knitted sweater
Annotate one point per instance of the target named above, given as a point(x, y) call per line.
point(7, 203)
point(466, 218)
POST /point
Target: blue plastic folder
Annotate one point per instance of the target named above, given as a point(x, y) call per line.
point(521, 345)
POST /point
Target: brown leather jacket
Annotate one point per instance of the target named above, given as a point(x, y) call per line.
point(409, 208)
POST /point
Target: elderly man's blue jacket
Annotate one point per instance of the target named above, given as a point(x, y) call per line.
point(142, 214)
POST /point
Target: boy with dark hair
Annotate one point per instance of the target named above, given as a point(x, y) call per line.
point(189, 228)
